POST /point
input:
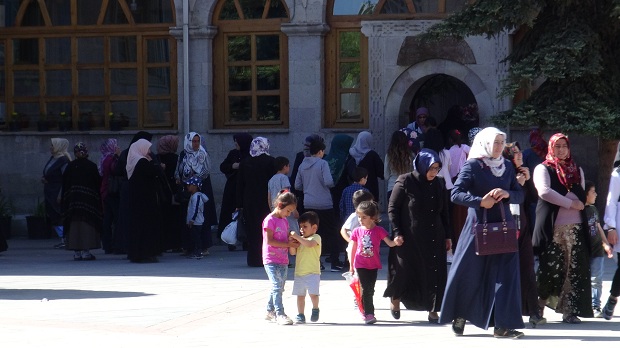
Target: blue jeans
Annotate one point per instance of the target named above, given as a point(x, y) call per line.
point(596, 279)
point(277, 276)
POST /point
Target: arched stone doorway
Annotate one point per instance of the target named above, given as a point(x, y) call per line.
point(466, 83)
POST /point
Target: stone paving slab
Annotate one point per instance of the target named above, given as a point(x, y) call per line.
point(49, 300)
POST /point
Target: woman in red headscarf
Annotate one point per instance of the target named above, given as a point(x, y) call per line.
point(559, 235)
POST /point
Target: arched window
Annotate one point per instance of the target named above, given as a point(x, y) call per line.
point(251, 59)
point(346, 50)
point(87, 59)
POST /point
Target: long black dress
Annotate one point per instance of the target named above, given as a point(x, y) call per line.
point(172, 212)
point(417, 270)
point(52, 173)
point(229, 201)
point(253, 177)
point(145, 234)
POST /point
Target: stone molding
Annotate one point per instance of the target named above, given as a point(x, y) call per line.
point(293, 29)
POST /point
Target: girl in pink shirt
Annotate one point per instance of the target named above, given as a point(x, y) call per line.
point(276, 242)
point(366, 260)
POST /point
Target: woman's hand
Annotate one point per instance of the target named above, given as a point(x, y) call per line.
point(235, 165)
point(612, 236)
point(525, 171)
point(488, 201)
point(521, 179)
point(577, 204)
point(499, 194)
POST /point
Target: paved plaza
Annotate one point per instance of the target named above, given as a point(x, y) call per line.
point(49, 300)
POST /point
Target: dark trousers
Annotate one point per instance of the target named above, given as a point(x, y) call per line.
point(615, 283)
point(329, 230)
point(368, 278)
point(196, 239)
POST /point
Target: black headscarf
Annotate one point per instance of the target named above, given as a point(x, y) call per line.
point(244, 140)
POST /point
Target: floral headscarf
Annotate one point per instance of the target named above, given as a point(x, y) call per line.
point(424, 160)
point(538, 143)
point(259, 146)
point(137, 151)
point(195, 162)
point(567, 171)
point(361, 146)
point(167, 144)
point(482, 148)
point(80, 150)
point(472, 134)
point(60, 147)
point(107, 148)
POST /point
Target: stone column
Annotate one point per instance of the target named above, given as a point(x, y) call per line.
point(200, 76)
point(306, 58)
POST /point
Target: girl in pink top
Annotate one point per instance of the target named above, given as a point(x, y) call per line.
point(366, 260)
point(276, 242)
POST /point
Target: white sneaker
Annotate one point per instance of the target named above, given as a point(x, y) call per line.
point(270, 316)
point(284, 320)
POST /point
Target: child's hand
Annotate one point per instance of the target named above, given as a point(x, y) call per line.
point(293, 243)
point(399, 240)
point(608, 250)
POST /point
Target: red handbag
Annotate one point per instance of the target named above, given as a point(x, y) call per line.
point(495, 237)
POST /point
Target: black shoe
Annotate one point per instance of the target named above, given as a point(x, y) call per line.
point(395, 311)
point(537, 320)
point(608, 310)
point(458, 326)
point(507, 333)
point(433, 320)
point(335, 268)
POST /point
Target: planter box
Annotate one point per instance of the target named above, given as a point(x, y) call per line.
point(38, 227)
point(5, 226)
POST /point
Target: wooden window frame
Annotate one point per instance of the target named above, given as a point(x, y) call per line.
point(141, 32)
point(252, 28)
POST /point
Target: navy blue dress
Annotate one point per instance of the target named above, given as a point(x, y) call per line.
point(485, 290)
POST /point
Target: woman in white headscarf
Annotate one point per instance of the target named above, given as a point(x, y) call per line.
point(364, 156)
point(144, 236)
point(52, 184)
point(194, 162)
point(252, 179)
point(484, 289)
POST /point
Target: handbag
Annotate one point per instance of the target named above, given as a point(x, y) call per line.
point(495, 237)
point(229, 235)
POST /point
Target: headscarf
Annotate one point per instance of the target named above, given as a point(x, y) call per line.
point(310, 139)
point(482, 148)
point(243, 140)
point(424, 160)
point(567, 171)
point(80, 150)
point(259, 146)
point(107, 148)
point(421, 111)
point(413, 142)
point(196, 161)
point(361, 146)
point(168, 144)
point(538, 143)
point(472, 134)
point(137, 151)
point(59, 148)
point(337, 156)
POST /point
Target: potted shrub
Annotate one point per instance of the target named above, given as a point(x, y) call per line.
point(64, 122)
point(84, 122)
point(6, 216)
point(115, 122)
point(37, 223)
point(42, 123)
point(14, 123)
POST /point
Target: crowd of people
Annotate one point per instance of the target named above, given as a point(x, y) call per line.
point(142, 204)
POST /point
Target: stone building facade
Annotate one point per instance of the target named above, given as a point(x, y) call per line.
point(395, 69)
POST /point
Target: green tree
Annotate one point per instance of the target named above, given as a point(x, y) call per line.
point(573, 47)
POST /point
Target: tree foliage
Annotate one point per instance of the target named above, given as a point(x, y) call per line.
point(572, 46)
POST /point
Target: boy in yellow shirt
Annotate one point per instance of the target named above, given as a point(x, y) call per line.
point(307, 265)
